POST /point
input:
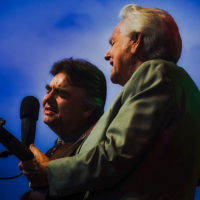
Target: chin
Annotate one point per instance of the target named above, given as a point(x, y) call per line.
point(51, 124)
point(48, 120)
point(114, 79)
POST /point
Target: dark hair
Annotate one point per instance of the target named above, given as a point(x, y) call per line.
point(83, 74)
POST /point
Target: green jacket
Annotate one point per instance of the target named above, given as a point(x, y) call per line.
point(145, 147)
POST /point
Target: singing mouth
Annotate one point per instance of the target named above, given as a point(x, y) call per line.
point(50, 110)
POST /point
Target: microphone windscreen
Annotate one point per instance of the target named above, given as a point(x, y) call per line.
point(29, 108)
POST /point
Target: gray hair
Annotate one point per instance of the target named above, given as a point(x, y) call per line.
point(161, 37)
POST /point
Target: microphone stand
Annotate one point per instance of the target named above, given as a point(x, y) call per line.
point(20, 150)
point(4, 154)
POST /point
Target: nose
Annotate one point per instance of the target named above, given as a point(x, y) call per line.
point(49, 97)
point(107, 55)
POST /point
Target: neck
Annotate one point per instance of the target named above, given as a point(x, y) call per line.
point(131, 70)
point(72, 136)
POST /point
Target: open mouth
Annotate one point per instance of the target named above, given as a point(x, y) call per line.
point(50, 110)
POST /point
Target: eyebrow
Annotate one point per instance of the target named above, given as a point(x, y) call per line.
point(111, 40)
point(47, 86)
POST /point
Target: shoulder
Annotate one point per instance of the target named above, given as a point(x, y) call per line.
point(149, 74)
point(157, 67)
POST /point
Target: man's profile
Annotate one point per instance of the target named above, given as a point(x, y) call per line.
point(74, 101)
point(146, 146)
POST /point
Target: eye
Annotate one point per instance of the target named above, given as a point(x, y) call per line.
point(112, 43)
point(48, 89)
point(63, 93)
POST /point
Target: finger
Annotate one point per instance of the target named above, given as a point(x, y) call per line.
point(32, 147)
point(35, 150)
point(36, 179)
point(39, 156)
point(30, 165)
point(20, 166)
point(29, 174)
point(26, 165)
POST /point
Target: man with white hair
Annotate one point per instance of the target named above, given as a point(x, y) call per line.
point(147, 145)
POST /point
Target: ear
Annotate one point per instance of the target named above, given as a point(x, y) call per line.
point(136, 42)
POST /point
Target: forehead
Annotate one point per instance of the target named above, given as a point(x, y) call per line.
point(59, 79)
point(117, 31)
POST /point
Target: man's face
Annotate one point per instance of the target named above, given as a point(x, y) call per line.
point(63, 107)
point(120, 57)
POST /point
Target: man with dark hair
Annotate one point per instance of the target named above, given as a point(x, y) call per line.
point(74, 102)
point(147, 145)
point(84, 76)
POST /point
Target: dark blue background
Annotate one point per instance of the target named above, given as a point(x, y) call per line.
point(36, 33)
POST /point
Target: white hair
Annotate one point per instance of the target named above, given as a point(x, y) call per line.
point(161, 38)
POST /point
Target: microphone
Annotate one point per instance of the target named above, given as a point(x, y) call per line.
point(29, 111)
